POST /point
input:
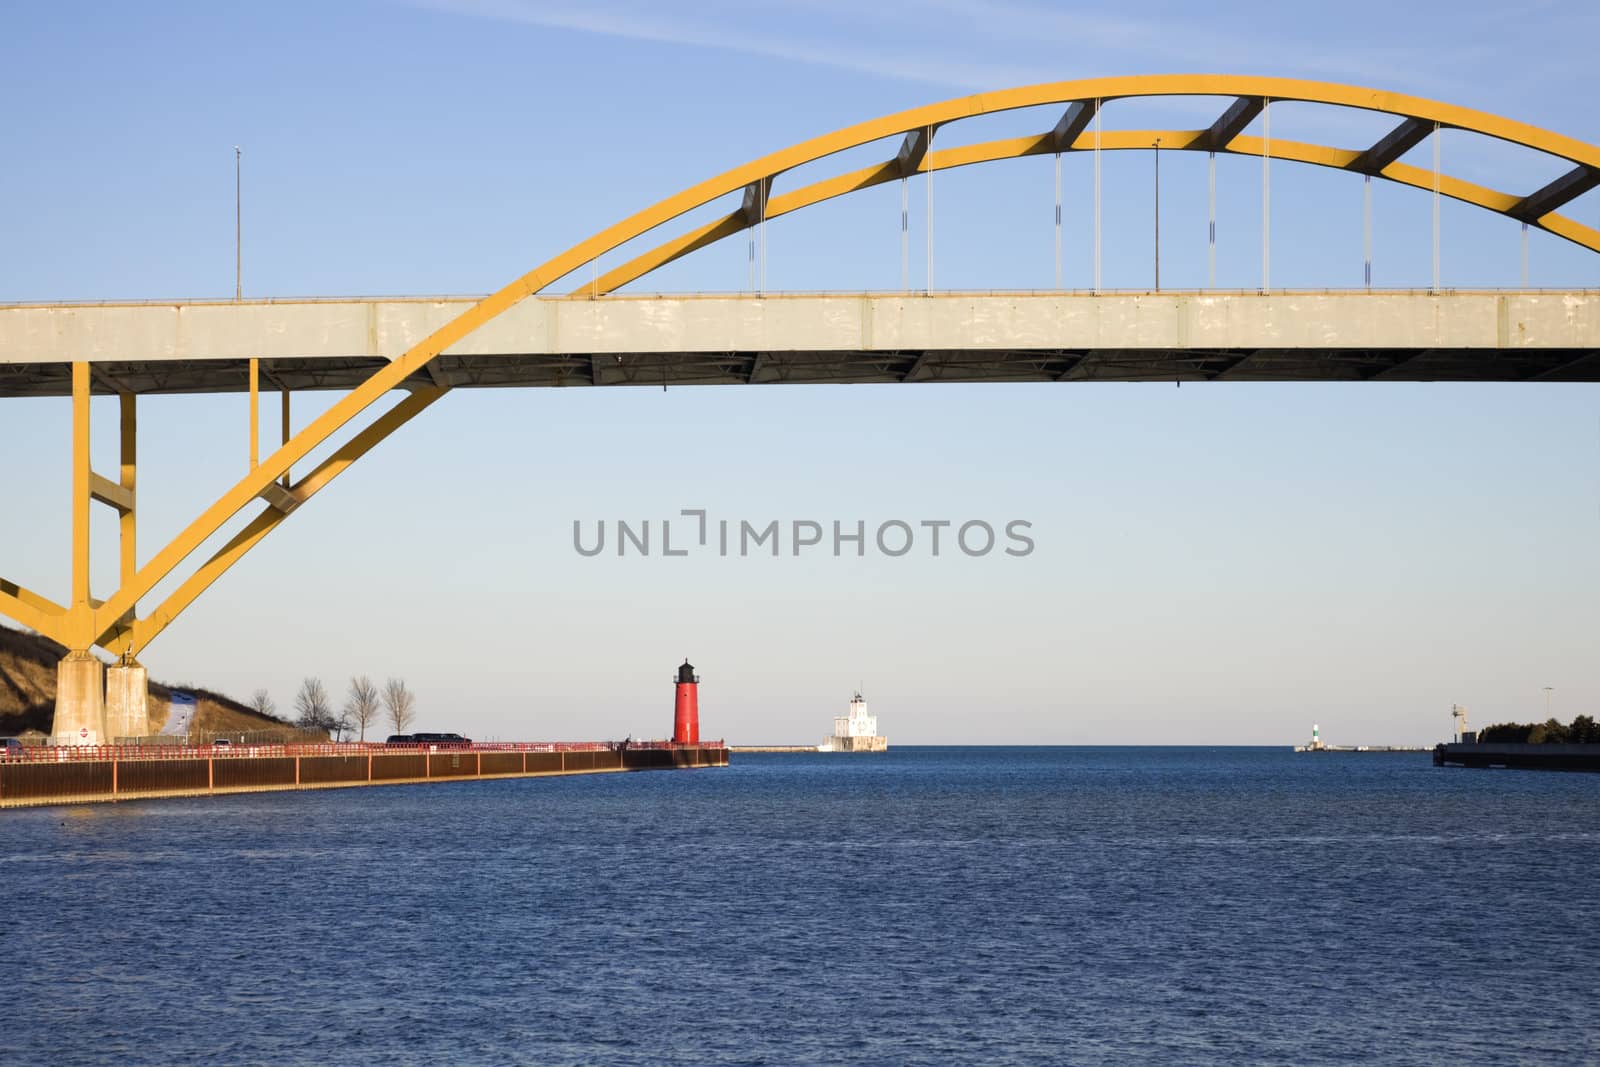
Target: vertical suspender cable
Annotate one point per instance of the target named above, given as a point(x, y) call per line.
point(1436, 207)
point(1366, 231)
point(1058, 221)
point(1158, 214)
point(761, 202)
point(1266, 195)
point(1211, 229)
point(929, 143)
point(1524, 255)
point(905, 235)
point(1097, 195)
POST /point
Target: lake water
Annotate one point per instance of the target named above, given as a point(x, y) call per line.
point(936, 905)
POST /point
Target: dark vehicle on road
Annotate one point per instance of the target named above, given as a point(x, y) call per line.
point(452, 740)
point(431, 739)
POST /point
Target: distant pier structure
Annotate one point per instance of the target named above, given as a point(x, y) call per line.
point(1316, 744)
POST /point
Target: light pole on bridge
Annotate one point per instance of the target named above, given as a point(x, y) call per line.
point(238, 225)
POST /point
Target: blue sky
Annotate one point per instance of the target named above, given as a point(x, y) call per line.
point(1220, 563)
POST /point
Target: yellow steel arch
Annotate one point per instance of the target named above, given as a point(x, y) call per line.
point(112, 625)
point(1419, 117)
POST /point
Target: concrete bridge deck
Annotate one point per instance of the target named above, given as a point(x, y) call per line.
point(201, 346)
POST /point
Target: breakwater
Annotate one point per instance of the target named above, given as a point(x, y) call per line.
point(1517, 756)
point(1360, 748)
point(128, 772)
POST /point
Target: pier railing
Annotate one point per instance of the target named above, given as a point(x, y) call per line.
point(124, 753)
point(73, 774)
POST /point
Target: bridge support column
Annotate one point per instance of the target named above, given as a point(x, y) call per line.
point(80, 700)
point(127, 701)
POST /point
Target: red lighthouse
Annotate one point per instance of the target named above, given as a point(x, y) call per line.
point(686, 715)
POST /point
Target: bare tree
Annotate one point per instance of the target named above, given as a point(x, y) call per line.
point(312, 706)
point(400, 703)
point(361, 708)
point(263, 704)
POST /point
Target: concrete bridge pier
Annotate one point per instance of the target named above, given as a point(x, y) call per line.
point(127, 700)
point(80, 717)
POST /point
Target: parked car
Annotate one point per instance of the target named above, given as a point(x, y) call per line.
point(10, 746)
point(223, 742)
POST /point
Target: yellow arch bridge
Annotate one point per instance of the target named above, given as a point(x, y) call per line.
point(419, 350)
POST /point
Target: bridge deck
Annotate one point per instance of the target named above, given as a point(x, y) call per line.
point(193, 347)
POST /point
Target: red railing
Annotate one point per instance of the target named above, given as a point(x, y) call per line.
point(90, 753)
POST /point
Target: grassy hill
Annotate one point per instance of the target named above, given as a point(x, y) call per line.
point(28, 694)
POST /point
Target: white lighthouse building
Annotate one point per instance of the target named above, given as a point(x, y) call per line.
point(855, 731)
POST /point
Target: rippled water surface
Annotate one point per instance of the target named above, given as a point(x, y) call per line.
point(1074, 905)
